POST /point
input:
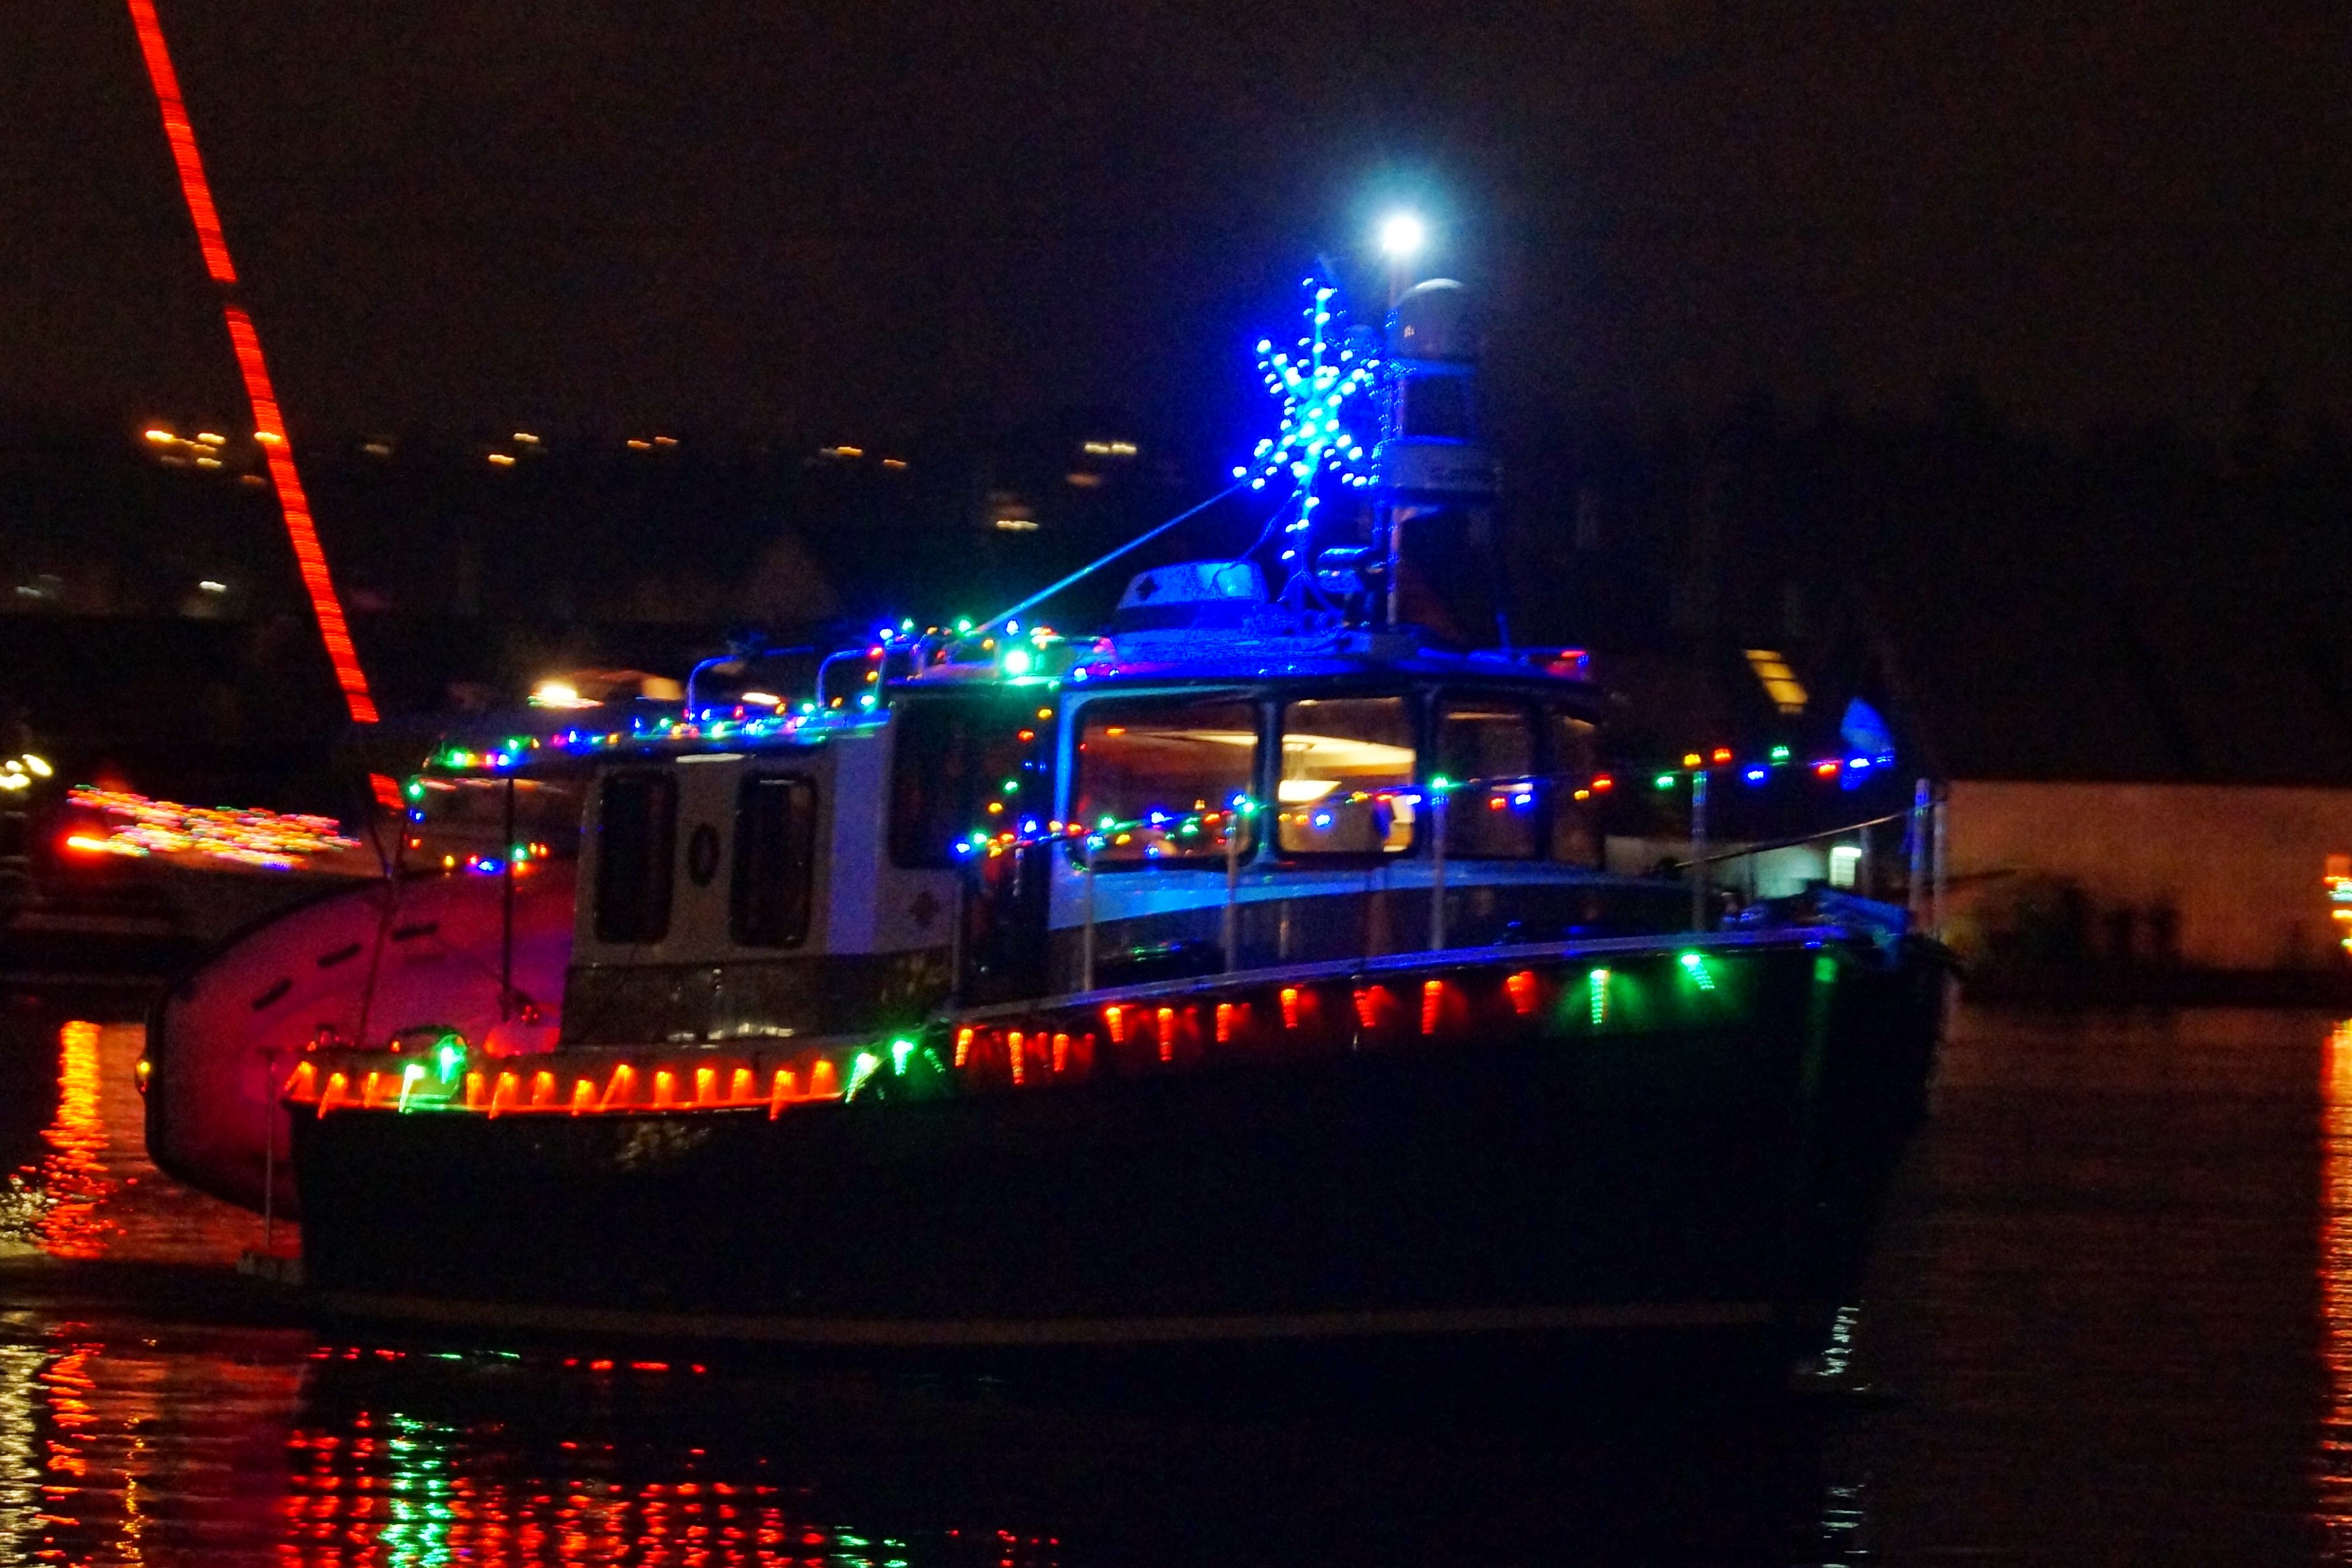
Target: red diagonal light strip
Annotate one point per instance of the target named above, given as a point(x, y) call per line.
point(269, 428)
point(182, 137)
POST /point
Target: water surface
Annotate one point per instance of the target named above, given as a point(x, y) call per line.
point(2111, 1322)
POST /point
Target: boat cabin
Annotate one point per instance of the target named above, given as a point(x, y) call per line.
point(1019, 816)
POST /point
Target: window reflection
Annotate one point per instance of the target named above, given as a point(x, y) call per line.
point(1166, 770)
point(1488, 750)
point(2335, 1512)
point(952, 760)
point(1347, 784)
point(775, 859)
point(637, 837)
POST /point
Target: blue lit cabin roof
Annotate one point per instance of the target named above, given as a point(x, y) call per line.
point(1161, 657)
point(1052, 664)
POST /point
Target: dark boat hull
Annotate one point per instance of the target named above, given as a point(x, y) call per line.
point(1689, 1176)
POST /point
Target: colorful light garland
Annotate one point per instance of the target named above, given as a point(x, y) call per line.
point(1018, 660)
point(1514, 792)
point(1300, 1014)
point(139, 826)
point(1845, 768)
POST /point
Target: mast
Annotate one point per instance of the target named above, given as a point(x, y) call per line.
point(268, 425)
point(1435, 484)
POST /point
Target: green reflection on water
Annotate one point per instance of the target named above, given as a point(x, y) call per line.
point(417, 1480)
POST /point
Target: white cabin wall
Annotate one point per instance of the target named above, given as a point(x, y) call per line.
point(856, 849)
point(706, 788)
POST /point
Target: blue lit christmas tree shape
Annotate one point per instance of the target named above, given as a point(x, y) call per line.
point(1315, 384)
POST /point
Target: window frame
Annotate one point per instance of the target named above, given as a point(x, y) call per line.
point(1076, 720)
point(970, 711)
point(1560, 791)
point(1416, 714)
point(1533, 713)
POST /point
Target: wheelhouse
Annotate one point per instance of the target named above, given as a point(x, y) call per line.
point(993, 839)
point(745, 893)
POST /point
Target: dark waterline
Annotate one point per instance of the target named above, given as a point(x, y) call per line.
point(2111, 1322)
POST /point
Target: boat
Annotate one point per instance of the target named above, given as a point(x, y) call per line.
point(108, 886)
point(1252, 971)
point(412, 958)
point(467, 934)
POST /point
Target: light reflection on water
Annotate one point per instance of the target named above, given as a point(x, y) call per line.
point(52, 1206)
point(2113, 1320)
point(2333, 1472)
point(91, 1193)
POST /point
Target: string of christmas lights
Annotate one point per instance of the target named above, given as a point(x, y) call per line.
point(1511, 792)
point(139, 826)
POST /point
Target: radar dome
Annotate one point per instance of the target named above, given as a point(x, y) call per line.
point(1433, 322)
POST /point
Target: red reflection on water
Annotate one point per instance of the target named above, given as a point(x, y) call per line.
point(93, 1193)
point(230, 1448)
point(115, 1451)
point(386, 1483)
point(396, 1490)
point(2334, 1478)
point(73, 1177)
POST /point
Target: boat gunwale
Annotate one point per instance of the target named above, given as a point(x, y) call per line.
point(1431, 958)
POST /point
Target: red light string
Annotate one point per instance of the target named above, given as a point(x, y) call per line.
point(183, 138)
point(269, 428)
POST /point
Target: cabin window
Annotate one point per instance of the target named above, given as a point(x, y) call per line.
point(775, 860)
point(1165, 772)
point(1487, 750)
point(1575, 757)
point(637, 842)
point(1347, 785)
point(949, 762)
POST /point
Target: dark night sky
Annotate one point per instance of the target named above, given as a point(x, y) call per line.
point(600, 215)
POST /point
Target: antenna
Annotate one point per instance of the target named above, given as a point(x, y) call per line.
point(269, 427)
point(1042, 594)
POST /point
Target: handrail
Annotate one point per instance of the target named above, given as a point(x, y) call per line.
point(1788, 843)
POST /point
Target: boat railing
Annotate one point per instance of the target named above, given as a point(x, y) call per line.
point(1927, 864)
point(1924, 896)
point(1421, 962)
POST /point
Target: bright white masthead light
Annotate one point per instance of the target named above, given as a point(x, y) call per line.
point(1401, 235)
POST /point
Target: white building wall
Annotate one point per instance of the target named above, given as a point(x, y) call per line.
point(2239, 867)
